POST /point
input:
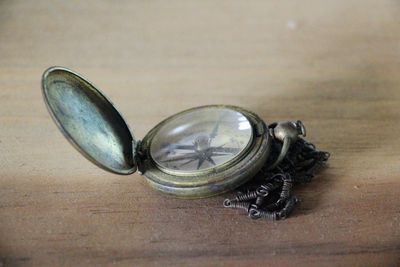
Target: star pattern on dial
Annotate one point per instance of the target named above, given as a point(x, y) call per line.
point(200, 155)
point(201, 150)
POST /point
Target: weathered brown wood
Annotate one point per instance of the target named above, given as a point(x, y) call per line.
point(333, 64)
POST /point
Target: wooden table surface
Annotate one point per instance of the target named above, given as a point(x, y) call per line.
point(333, 64)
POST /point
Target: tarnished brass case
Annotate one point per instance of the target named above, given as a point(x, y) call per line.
point(97, 130)
point(210, 182)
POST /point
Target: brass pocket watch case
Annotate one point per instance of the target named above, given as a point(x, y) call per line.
point(196, 153)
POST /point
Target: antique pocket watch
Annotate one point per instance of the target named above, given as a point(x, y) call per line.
point(196, 153)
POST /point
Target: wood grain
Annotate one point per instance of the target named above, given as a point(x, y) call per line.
point(333, 64)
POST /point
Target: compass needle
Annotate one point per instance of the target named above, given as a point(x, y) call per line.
point(187, 162)
point(214, 131)
point(181, 157)
point(231, 150)
point(221, 154)
point(184, 147)
point(211, 160)
point(201, 160)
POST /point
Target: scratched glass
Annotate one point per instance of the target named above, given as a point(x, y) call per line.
point(201, 139)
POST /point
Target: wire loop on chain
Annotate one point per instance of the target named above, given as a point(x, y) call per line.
point(269, 195)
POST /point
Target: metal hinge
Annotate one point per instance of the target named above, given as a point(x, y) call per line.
point(139, 156)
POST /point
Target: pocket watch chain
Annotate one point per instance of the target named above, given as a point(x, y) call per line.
point(293, 161)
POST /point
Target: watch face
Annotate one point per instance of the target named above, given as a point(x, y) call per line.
point(201, 139)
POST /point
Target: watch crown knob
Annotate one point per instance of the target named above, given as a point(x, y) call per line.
point(289, 129)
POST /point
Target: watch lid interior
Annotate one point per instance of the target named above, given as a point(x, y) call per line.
point(89, 120)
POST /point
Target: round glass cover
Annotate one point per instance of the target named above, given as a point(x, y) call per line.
point(201, 139)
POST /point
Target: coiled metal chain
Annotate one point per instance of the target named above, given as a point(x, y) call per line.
point(269, 195)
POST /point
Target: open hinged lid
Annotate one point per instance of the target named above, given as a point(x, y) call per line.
point(89, 120)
